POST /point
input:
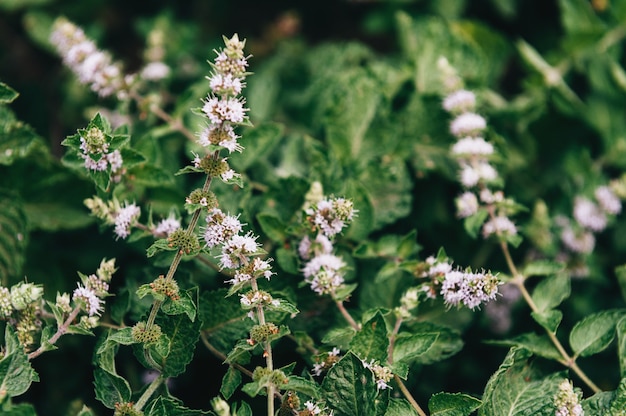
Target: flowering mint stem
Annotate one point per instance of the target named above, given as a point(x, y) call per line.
point(60, 331)
point(346, 315)
point(141, 402)
point(518, 280)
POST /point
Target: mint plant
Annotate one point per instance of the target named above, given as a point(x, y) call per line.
point(267, 216)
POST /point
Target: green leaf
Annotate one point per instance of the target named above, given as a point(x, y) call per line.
point(550, 319)
point(184, 304)
point(13, 234)
point(473, 223)
point(224, 321)
point(400, 407)
point(620, 272)
point(349, 388)
point(273, 227)
point(594, 333)
point(618, 404)
point(551, 291)
point(159, 245)
point(447, 343)
point(111, 388)
point(302, 385)
point(258, 142)
point(448, 404)
point(536, 344)
point(16, 373)
point(7, 94)
point(150, 175)
point(230, 382)
point(22, 409)
point(283, 305)
point(621, 346)
point(163, 406)
point(371, 341)
point(516, 388)
point(409, 347)
point(542, 268)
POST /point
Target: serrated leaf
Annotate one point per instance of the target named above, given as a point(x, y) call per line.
point(13, 234)
point(230, 382)
point(111, 388)
point(16, 373)
point(7, 94)
point(542, 268)
point(449, 404)
point(549, 319)
point(273, 227)
point(159, 245)
point(184, 304)
point(536, 344)
point(517, 389)
point(150, 175)
point(349, 388)
point(167, 407)
point(371, 341)
point(621, 346)
point(551, 291)
point(242, 410)
point(594, 333)
point(409, 347)
point(400, 407)
point(302, 385)
point(447, 343)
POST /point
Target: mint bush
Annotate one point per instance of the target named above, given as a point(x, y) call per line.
point(322, 230)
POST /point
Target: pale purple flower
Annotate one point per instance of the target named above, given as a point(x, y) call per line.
point(468, 288)
point(472, 146)
point(581, 241)
point(125, 218)
point(226, 84)
point(466, 204)
point(324, 273)
point(220, 227)
point(608, 201)
point(500, 225)
point(88, 299)
point(589, 215)
point(308, 248)
point(155, 71)
point(460, 101)
point(237, 250)
point(167, 226)
point(467, 124)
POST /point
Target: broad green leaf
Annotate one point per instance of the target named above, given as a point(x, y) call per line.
point(549, 319)
point(594, 333)
point(621, 346)
point(620, 272)
point(409, 347)
point(273, 227)
point(184, 304)
point(230, 382)
point(303, 385)
point(551, 291)
point(536, 344)
point(371, 341)
point(283, 305)
point(16, 373)
point(242, 410)
point(473, 223)
point(447, 343)
point(258, 143)
point(517, 389)
point(150, 175)
point(449, 404)
point(578, 17)
point(22, 409)
point(111, 388)
point(7, 94)
point(542, 268)
point(400, 407)
point(618, 404)
point(224, 321)
point(349, 388)
point(13, 234)
point(163, 406)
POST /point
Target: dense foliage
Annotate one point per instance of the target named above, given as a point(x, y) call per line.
point(416, 208)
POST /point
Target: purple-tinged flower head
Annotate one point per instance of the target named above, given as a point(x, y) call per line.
point(91, 66)
point(567, 401)
point(324, 273)
point(88, 300)
point(167, 226)
point(255, 298)
point(469, 289)
point(221, 110)
point(326, 361)
point(155, 71)
point(308, 249)
point(589, 215)
point(237, 251)
point(231, 59)
point(467, 124)
point(220, 227)
point(578, 240)
point(466, 204)
point(226, 84)
point(125, 218)
point(474, 173)
point(500, 226)
point(460, 101)
point(97, 285)
point(608, 201)
point(223, 135)
point(382, 374)
point(330, 216)
point(472, 147)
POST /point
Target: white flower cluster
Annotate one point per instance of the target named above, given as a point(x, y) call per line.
point(94, 146)
point(155, 69)
point(468, 288)
point(223, 106)
point(323, 270)
point(92, 66)
point(329, 360)
point(90, 292)
point(166, 226)
point(313, 409)
point(591, 216)
point(472, 153)
point(567, 401)
point(19, 297)
point(382, 374)
point(124, 218)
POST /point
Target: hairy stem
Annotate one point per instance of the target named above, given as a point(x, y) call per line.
point(408, 396)
point(347, 315)
point(60, 331)
point(152, 387)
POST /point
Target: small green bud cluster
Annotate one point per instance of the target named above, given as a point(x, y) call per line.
point(567, 401)
point(24, 294)
point(185, 241)
point(211, 166)
point(63, 302)
point(146, 335)
point(20, 305)
point(198, 197)
point(88, 322)
point(126, 409)
point(290, 404)
point(6, 307)
point(256, 298)
point(95, 141)
point(166, 286)
point(232, 60)
point(262, 332)
point(276, 377)
point(27, 325)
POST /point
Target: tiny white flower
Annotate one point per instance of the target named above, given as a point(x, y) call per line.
point(467, 124)
point(460, 101)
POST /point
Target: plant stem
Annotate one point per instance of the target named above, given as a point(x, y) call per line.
point(267, 353)
point(347, 315)
point(60, 331)
point(222, 356)
point(152, 387)
point(408, 396)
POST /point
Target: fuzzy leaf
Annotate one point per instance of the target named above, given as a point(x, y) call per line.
point(16, 373)
point(224, 321)
point(533, 343)
point(594, 333)
point(258, 141)
point(621, 346)
point(448, 404)
point(302, 385)
point(273, 227)
point(230, 382)
point(371, 342)
point(184, 304)
point(516, 389)
point(409, 347)
point(349, 388)
point(400, 407)
point(22, 409)
point(551, 291)
point(163, 406)
point(13, 233)
point(447, 343)
point(549, 319)
point(111, 388)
